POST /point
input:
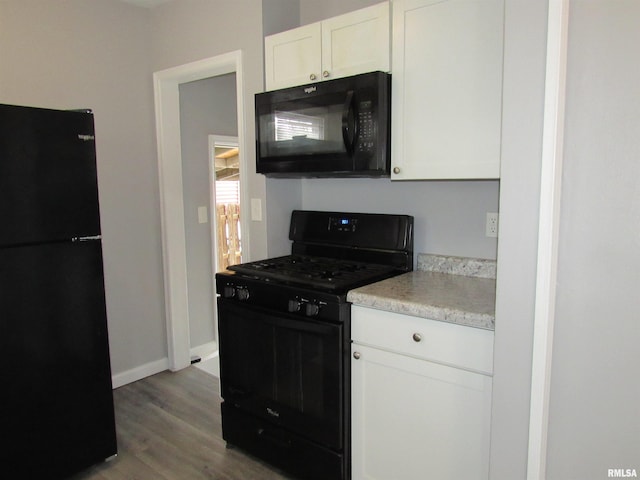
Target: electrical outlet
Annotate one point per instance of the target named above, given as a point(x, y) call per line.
point(491, 227)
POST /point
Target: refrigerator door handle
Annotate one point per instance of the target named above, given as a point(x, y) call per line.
point(89, 238)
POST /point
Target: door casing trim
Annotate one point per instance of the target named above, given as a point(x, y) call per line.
point(174, 255)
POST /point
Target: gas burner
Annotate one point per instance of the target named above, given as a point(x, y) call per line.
point(315, 272)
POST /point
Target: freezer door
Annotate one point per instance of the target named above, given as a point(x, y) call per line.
point(56, 406)
point(48, 185)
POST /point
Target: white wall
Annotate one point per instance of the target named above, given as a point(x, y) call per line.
point(314, 10)
point(280, 15)
point(449, 216)
point(523, 102)
point(206, 107)
point(594, 415)
point(188, 30)
point(96, 55)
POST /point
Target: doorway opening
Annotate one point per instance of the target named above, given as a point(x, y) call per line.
point(226, 226)
point(167, 102)
point(226, 198)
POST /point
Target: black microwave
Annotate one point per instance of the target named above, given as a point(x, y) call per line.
point(335, 128)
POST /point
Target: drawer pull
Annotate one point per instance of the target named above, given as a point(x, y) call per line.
point(356, 355)
point(417, 337)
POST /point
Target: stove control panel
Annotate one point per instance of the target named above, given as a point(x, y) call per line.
point(277, 298)
point(321, 233)
point(342, 224)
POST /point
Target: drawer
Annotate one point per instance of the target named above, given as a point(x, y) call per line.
point(447, 343)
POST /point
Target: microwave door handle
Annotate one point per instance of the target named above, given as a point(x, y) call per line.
point(349, 140)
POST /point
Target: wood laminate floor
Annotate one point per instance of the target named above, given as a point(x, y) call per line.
point(168, 428)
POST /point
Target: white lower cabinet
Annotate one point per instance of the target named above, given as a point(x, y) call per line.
point(413, 418)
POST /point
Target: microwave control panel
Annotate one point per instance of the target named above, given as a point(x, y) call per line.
point(366, 127)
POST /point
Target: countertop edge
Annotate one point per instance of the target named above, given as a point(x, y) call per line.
point(433, 292)
point(422, 310)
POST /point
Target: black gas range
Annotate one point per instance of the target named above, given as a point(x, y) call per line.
point(284, 338)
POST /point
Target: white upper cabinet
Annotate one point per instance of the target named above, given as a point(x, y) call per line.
point(447, 89)
point(293, 57)
point(357, 42)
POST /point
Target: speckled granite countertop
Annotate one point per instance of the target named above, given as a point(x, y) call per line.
point(450, 289)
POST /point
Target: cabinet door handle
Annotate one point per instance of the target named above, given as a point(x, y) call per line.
point(312, 77)
point(325, 74)
point(396, 170)
point(417, 337)
point(356, 355)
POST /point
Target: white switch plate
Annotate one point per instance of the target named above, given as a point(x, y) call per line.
point(491, 226)
point(256, 209)
point(202, 214)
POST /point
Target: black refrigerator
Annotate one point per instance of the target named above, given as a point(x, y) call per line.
point(56, 400)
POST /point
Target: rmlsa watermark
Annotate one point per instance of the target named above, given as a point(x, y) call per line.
point(622, 473)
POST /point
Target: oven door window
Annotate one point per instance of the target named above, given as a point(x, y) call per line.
point(283, 368)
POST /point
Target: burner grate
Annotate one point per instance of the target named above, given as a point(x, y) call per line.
point(317, 272)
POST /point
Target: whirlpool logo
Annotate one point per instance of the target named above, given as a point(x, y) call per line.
point(273, 412)
point(86, 138)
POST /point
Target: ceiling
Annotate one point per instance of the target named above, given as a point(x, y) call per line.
point(146, 3)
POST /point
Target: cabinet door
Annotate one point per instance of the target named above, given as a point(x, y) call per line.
point(357, 42)
point(447, 88)
point(293, 57)
point(413, 419)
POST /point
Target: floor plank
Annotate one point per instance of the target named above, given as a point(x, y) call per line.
point(169, 428)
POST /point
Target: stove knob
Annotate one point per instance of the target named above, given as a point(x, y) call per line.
point(243, 294)
point(294, 306)
point(229, 291)
point(311, 309)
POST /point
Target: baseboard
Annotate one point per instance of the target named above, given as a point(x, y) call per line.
point(208, 358)
point(204, 351)
point(140, 372)
point(211, 365)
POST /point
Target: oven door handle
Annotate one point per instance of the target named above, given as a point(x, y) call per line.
point(349, 131)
